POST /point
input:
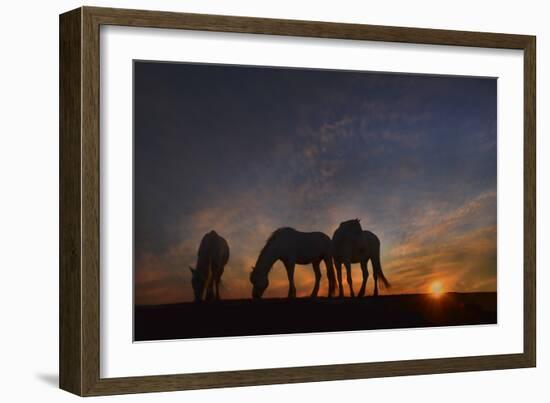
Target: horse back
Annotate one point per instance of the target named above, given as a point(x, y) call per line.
point(371, 238)
point(319, 239)
point(288, 243)
point(213, 251)
point(366, 247)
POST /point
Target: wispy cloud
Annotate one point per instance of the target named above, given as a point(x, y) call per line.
point(456, 247)
point(245, 151)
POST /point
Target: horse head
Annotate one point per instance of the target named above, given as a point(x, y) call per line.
point(352, 226)
point(259, 283)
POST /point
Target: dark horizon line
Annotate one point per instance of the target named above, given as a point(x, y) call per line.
point(308, 298)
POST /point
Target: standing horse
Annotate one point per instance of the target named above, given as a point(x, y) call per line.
point(343, 245)
point(350, 244)
point(212, 258)
point(293, 247)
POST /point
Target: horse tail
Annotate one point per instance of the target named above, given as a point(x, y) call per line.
point(377, 267)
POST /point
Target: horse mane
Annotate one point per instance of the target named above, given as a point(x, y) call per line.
point(275, 233)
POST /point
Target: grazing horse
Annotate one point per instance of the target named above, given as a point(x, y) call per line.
point(350, 244)
point(293, 247)
point(212, 258)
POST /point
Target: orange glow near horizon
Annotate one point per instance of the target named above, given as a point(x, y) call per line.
point(437, 289)
point(434, 261)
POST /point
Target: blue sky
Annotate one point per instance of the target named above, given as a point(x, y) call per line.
point(246, 150)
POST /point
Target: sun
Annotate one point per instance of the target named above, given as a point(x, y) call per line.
point(436, 288)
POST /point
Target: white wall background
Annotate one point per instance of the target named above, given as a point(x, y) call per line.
point(29, 198)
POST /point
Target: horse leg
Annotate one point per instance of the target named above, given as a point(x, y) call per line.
point(214, 278)
point(350, 281)
point(317, 271)
point(210, 292)
point(219, 274)
point(330, 275)
point(338, 265)
point(218, 288)
point(365, 278)
point(290, 272)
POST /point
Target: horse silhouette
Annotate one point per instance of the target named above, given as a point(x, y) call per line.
point(293, 247)
point(212, 258)
point(353, 245)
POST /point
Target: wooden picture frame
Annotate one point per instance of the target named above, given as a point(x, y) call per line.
point(79, 349)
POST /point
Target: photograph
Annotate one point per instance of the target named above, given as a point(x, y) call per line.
point(275, 200)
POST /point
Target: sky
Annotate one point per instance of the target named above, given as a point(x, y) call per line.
point(244, 150)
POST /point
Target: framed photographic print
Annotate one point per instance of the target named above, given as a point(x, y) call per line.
point(249, 201)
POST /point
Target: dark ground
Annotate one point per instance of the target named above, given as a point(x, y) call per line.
point(303, 315)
